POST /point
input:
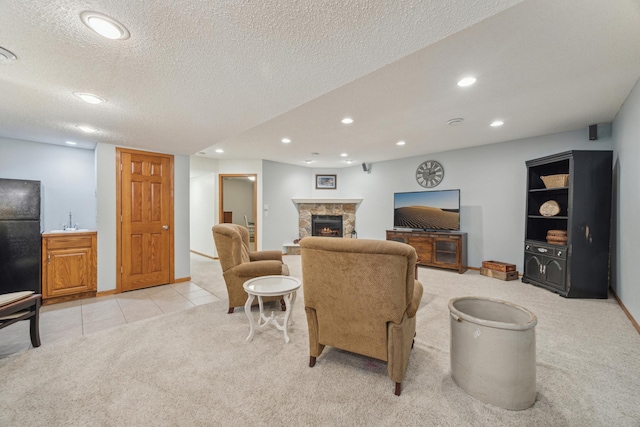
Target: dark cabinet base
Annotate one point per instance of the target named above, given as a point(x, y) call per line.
point(545, 265)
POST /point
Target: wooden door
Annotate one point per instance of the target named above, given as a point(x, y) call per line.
point(146, 219)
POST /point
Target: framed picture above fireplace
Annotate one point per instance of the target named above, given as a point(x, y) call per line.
point(325, 182)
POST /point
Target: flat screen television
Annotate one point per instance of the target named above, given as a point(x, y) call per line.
point(427, 210)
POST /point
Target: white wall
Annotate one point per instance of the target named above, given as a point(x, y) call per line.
point(282, 182)
point(491, 179)
point(66, 174)
point(626, 228)
point(182, 259)
point(106, 215)
point(203, 204)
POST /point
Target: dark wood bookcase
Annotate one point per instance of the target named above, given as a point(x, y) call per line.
point(434, 248)
point(579, 268)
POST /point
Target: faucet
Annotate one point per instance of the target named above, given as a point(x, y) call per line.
point(70, 224)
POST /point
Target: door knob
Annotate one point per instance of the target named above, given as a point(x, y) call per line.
point(165, 227)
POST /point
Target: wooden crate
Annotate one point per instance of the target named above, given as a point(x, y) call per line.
point(502, 275)
point(498, 266)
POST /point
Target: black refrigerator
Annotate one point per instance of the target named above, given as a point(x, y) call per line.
point(20, 236)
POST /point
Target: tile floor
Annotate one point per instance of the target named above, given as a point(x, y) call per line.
point(75, 318)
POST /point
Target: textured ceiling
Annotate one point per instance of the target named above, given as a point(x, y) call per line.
point(241, 75)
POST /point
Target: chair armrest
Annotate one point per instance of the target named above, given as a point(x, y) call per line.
point(258, 268)
point(415, 302)
point(265, 255)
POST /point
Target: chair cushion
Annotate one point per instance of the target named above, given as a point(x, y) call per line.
point(6, 299)
point(14, 315)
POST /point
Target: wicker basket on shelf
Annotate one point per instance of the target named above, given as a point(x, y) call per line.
point(556, 181)
point(557, 237)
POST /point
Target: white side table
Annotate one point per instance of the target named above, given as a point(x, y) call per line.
point(266, 286)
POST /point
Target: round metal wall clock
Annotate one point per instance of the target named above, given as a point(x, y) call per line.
point(429, 174)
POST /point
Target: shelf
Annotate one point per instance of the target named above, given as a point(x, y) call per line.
point(543, 242)
point(540, 190)
point(547, 217)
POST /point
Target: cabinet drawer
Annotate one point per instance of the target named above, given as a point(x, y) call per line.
point(545, 250)
point(69, 242)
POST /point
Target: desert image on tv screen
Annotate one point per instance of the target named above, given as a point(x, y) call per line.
point(436, 210)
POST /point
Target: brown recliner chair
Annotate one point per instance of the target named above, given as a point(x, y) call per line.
point(239, 264)
point(361, 296)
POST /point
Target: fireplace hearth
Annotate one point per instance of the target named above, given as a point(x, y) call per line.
point(326, 225)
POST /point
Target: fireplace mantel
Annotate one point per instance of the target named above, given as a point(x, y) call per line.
point(300, 201)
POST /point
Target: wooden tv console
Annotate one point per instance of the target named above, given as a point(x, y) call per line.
point(436, 248)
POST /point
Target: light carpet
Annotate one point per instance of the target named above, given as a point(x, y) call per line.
point(195, 368)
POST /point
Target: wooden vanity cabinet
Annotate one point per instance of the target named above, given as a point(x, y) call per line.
point(69, 266)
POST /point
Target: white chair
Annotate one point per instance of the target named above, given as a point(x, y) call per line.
point(251, 226)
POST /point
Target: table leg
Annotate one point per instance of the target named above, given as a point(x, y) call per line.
point(291, 298)
point(247, 310)
point(262, 319)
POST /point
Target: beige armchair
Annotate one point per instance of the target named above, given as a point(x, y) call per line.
point(239, 264)
point(361, 296)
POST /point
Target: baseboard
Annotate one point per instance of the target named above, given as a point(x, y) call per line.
point(204, 255)
point(106, 293)
point(633, 321)
point(182, 279)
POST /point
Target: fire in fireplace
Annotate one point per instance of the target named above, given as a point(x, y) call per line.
point(326, 225)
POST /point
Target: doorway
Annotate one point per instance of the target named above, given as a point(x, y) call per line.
point(238, 200)
point(144, 234)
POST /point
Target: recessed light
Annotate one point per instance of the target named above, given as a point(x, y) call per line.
point(71, 143)
point(89, 97)
point(286, 140)
point(308, 161)
point(6, 55)
point(467, 81)
point(87, 129)
point(497, 123)
point(343, 155)
point(400, 143)
point(104, 25)
point(349, 162)
point(219, 150)
point(347, 120)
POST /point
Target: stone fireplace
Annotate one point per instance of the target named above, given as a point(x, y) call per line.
point(343, 208)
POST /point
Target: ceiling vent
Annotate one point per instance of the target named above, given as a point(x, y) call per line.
point(455, 121)
point(5, 55)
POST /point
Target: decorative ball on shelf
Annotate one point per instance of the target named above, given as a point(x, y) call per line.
point(550, 208)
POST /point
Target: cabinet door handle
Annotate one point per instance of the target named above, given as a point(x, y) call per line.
point(540, 269)
point(48, 257)
point(165, 227)
point(544, 269)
